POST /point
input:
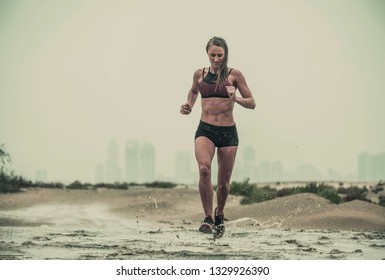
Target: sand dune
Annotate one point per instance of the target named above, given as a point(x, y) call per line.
point(145, 223)
point(313, 212)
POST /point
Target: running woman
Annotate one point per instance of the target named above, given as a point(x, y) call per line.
point(217, 85)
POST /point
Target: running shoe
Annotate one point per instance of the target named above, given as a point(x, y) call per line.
point(207, 225)
point(219, 224)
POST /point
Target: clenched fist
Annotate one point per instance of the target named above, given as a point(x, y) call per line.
point(231, 92)
point(185, 109)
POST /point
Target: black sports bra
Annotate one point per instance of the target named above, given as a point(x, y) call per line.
point(209, 88)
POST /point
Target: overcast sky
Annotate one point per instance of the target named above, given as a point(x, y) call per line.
point(76, 74)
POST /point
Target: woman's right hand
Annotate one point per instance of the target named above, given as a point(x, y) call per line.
point(185, 109)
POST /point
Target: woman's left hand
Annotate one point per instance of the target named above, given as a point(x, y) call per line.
point(231, 92)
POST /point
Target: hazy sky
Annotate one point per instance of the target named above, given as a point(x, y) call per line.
point(76, 74)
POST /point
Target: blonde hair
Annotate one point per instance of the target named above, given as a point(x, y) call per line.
point(223, 70)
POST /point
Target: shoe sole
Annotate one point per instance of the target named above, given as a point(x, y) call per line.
point(206, 228)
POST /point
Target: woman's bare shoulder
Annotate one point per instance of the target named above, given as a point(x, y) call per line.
point(198, 73)
point(236, 74)
point(235, 71)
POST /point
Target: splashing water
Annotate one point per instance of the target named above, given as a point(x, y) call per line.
point(156, 204)
point(272, 223)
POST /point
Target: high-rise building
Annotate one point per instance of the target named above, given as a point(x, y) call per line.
point(139, 162)
point(112, 171)
point(264, 171)
point(249, 163)
point(132, 161)
point(308, 172)
point(363, 166)
point(378, 168)
point(333, 175)
point(276, 171)
point(183, 166)
point(147, 163)
point(371, 167)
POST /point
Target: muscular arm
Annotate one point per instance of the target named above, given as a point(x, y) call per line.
point(192, 95)
point(247, 99)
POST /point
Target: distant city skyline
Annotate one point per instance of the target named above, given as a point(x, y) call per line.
point(138, 165)
point(371, 166)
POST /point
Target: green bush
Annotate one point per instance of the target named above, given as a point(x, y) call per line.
point(5, 158)
point(354, 192)
point(284, 192)
point(9, 183)
point(158, 184)
point(263, 194)
point(77, 185)
point(311, 188)
point(120, 186)
point(378, 188)
point(289, 191)
point(9, 188)
point(382, 200)
point(331, 195)
point(251, 193)
point(241, 188)
point(51, 185)
point(342, 190)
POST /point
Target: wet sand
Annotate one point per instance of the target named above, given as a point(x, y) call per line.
point(146, 223)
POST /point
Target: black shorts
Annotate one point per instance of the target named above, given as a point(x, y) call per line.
point(221, 136)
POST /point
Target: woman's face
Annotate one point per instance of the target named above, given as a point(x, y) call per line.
point(216, 56)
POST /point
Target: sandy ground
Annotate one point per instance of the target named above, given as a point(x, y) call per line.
point(145, 223)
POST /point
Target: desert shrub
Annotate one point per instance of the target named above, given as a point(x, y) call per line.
point(354, 192)
point(285, 192)
point(290, 191)
point(110, 186)
point(261, 194)
point(241, 188)
point(101, 185)
point(311, 188)
point(9, 183)
point(5, 158)
point(251, 193)
point(382, 200)
point(378, 188)
point(331, 195)
point(158, 184)
point(8, 188)
point(322, 190)
point(77, 185)
point(342, 190)
point(380, 183)
point(121, 186)
point(51, 185)
point(21, 181)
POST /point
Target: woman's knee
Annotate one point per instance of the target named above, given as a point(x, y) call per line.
point(204, 170)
